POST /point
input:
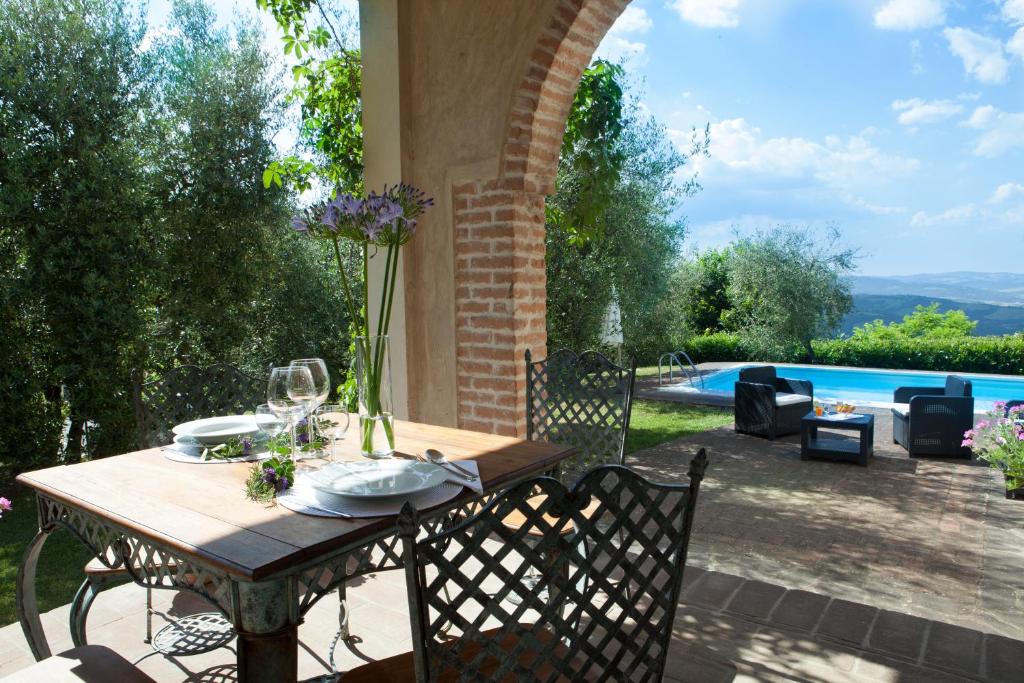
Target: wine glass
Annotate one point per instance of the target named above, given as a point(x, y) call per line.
point(269, 423)
point(289, 393)
point(321, 383)
point(332, 421)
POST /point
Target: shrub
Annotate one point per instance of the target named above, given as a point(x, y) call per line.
point(1002, 355)
point(999, 355)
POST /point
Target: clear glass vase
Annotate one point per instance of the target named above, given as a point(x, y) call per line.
point(373, 378)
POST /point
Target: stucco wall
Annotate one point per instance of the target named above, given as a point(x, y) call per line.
point(461, 63)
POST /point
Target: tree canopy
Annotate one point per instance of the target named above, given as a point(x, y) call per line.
point(925, 322)
point(787, 287)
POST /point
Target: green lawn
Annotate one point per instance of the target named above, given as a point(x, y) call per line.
point(62, 559)
point(60, 564)
point(655, 422)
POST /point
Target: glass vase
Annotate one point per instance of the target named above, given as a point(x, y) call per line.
point(373, 379)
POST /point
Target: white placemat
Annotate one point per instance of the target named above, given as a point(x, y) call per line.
point(302, 497)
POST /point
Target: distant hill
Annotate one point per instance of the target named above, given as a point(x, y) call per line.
point(992, 319)
point(990, 288)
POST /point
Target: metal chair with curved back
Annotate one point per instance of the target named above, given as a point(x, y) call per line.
point(580, 400)
point(605, 616)
point(187, 392)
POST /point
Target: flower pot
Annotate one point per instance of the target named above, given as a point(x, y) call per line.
point(373, 379)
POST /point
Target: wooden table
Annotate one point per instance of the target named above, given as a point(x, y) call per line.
point(189, 526)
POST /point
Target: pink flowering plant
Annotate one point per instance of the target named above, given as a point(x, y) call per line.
point(5, 506)
point(998, 439)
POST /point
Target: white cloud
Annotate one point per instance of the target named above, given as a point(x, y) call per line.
point(621, 50)
point(1013, 11)
point(1006, 191)
point(908, 15)
point(982, 56)
point(617, 46)
point(1016, 44)
point(916, 111)
point(958, 214)
point(1001, 130)
point(709, 13)
point(632, 20)
point(876, 209)
point(739, 148)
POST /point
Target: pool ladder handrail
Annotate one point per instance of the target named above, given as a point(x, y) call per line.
point(693, 375)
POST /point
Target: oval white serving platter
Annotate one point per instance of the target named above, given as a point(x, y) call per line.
point(376, 479)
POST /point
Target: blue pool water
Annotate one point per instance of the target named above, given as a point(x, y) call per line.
point(860, 386)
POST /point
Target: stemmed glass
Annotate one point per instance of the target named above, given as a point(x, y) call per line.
point(269, 423)
point(332, 420)
point(290, 392)
point(321, 383)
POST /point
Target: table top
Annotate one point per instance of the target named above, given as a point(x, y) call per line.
point(857, 420)
point(201, 509)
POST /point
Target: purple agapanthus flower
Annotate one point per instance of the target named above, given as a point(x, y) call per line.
point(300, 225)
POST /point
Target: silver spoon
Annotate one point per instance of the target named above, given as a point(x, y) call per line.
point(437, 457)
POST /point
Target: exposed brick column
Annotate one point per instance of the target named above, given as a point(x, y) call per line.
point(500, 280)
point(500, 301)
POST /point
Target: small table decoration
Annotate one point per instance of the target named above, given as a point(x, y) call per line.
point(382, 222)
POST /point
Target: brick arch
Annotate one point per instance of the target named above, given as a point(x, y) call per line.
point(500, 280)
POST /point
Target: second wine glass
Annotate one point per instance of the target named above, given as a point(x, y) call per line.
point(290, 391)
point(321, 383)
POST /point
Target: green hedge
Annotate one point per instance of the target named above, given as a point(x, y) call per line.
point(1001, 355)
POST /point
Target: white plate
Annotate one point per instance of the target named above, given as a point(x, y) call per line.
point(377, 479)
point(217, 430)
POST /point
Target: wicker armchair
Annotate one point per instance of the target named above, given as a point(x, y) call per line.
point(932, 420)
point(768, 405)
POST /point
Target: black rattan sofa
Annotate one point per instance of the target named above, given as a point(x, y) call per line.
point(932, 420)
point(768, 405)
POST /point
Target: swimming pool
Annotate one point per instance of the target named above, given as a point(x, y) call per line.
point(868, 386)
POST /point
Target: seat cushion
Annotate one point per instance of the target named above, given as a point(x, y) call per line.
point(87, 663)
point(401, 668)
point(517, 519)
point(784, 399)
point(901, 410)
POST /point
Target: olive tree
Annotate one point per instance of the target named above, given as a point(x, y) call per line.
point(787, 285)
point(73, 206)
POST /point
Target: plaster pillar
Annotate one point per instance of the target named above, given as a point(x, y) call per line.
point(382, 159)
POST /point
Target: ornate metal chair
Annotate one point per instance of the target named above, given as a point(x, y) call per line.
point(932, 420)
point(583, 401)
point(189, 392)
point(577, 400)
point(607, 615)
point(185, 393)
point(768, 405)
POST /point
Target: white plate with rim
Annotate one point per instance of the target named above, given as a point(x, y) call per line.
point(212, 431)
point(376, 479)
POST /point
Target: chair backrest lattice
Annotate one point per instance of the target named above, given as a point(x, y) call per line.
point(605, 596)
point(582, 401)
point(189, 392)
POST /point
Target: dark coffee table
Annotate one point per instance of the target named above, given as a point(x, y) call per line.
point(813, 446)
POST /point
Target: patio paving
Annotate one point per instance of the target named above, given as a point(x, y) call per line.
point(906, 570)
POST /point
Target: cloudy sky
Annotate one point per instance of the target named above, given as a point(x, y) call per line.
point(901, 121)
